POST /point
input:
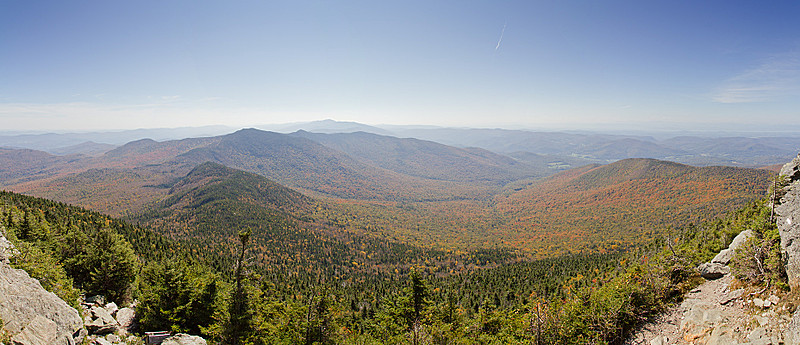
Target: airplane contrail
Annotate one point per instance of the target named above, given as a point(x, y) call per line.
point(501, 37)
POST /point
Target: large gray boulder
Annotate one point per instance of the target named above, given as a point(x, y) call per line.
point(33, 315)
point(39, 331)
point(125, 318)
point(792, 169)
point(103, 315)
point(788, 220)
point(111, 308)
point(184, 339)
point(726, 255)
point(101, 321)
point(711, 270)
point(97, 326)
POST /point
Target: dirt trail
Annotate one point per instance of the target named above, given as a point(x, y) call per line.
point(717, 313)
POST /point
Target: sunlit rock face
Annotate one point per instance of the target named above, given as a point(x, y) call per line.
point(788, 212)
point(31, 314)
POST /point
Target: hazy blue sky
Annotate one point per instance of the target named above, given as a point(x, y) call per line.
point(658, 64)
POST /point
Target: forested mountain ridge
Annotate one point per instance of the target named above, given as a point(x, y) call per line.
point(290, 160)
point(293, 161)
point(704, 150)
point(457, 201)
point(213, 202)
point(696, 148)
point(428, 159)
point(22, 165)
point(291, 243)
point(150, 152)
point(218, 181)
point(622, 203)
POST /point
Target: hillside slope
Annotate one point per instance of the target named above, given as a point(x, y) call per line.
point(621, 204)
point(23, 165)
point(124, 179)
point(427, 159)
point(212, 203)
point(302, 163)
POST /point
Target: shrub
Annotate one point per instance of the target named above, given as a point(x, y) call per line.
point(43, 267)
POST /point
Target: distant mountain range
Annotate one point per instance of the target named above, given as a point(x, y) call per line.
point(586, 147)
point(605, 148)
point(385, 168)
point(427, 159)
point(405, 190)
point(98, 142)
point(327, 127)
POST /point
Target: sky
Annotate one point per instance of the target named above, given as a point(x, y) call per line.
point(98, 65)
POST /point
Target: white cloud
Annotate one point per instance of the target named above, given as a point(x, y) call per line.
point(778, 77)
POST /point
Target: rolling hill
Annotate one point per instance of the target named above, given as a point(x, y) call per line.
point(212, 203)
point(23, 165)
point(88, 148)
point(427, 159)
point(740, 151)
point(587, 209)
point(312, 167)
point(621, 204)
point(402, 190)
point(137, 171)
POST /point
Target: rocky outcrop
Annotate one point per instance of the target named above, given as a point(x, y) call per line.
point(788, 219)
point(726, 255)
point(792, 169)
point(106, 319)
point(715, 313)
point(718, 267)
point(125, 318)
point(33, 315)
point(712, 270)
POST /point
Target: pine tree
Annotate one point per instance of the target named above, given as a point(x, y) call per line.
point(419, 299)
point(111, 263)
point(239, 324)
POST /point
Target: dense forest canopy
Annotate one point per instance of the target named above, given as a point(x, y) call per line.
point(239, 259)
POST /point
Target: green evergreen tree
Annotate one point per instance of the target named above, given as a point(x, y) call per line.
point(178, 296)
point(112, 262)
point(240, 322)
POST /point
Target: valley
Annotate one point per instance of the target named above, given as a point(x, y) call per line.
point(407, 191)
point(345, 219)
